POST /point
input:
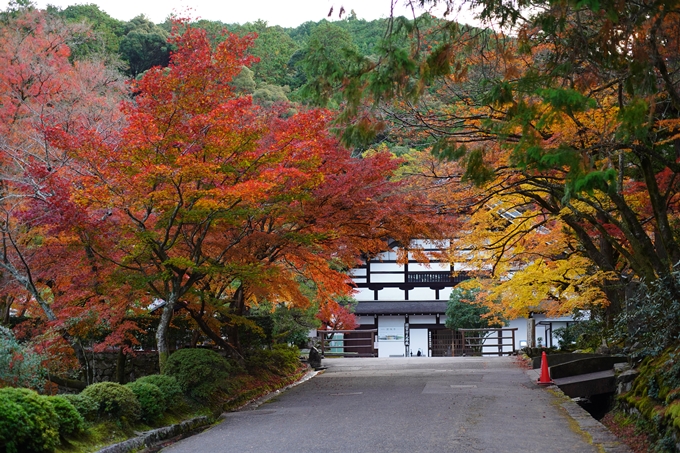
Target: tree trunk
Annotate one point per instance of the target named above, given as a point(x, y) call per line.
point(162, 333)
point(237, 306)
point(120, 366)
point(5, 305)
point(214, 336)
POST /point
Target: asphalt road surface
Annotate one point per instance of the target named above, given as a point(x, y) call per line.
point(415, 404)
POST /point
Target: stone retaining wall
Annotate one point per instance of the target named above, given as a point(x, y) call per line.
point(105, 365)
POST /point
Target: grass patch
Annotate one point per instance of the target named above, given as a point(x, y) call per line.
point(96, 436)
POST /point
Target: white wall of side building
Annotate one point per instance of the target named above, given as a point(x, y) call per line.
point(418, 341)
point(391, 336)
point(422, 294)
point(364, 294)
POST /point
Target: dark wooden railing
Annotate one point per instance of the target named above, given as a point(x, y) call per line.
point(435, 277)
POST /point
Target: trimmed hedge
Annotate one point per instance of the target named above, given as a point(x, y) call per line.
point(28, 421)
point(15, 424)
point(85, 405)
point(202, 374)
point(281, 359)
point(70, 420)
point(172, 392)
point(150, 399)
point(114, 401)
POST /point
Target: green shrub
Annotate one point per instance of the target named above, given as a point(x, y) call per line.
point(114, 401)
point(14, 424)
point(281, 359)
point(172, 392)
point(70, 420)
point(201, 373)
point(32, 423)
point(150, 399)
point(85, 405)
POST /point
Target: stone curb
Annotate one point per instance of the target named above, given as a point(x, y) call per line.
point(154, 437)
point(252, 405)
point(601, 437)
point(150, 438)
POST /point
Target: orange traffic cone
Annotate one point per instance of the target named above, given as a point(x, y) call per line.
point(545, 373)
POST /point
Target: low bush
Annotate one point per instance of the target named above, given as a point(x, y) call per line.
point(85, 405)
point(150, 399)
point(70, 420)
point(172, 392)
point(14, 424)
point(28, 421)
point(114, 401)
point(202, 374)
point(281, 359)
point(20, 365)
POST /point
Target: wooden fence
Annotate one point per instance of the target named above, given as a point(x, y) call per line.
point(478, 342)
point(353, 343)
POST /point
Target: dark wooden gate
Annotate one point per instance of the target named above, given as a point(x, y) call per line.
point(480, 342)
point(354, 343)
point(441, 342)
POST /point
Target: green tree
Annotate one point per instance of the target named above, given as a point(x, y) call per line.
point(267, 95)
point(244, 83)
point(327, 57)
point(289, 325)
point(464, 312)
point(274, 48)
point(144, 46)
point(104, 35)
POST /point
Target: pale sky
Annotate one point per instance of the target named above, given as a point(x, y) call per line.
point(287, 13)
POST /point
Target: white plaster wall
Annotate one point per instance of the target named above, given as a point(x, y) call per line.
point(421, 294)
point(363, 294)
point(389, 326)
point(422, 319)
point(390, 255)
point(387, 278)
point(391, 294)
point(432, 267)
point(365, 319)
point(521, 332)
point(386, 267)
point(445, 293)
point(418, 340)
point(540, 332)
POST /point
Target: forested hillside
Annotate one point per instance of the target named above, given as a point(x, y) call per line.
point(283, 53)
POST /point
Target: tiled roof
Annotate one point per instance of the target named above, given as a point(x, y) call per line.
point(407, 307)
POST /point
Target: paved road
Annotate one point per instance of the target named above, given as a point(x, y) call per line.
point(406, 405)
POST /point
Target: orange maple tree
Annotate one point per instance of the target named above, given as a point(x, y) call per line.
point(210, 203)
